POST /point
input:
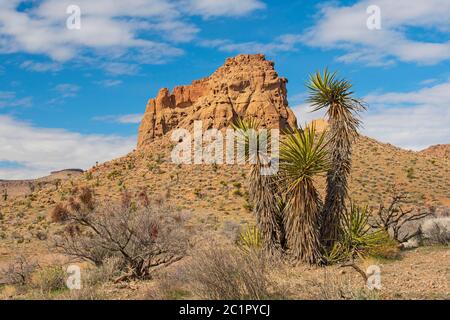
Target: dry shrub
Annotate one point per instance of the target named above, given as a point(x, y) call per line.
point(219, 273)
point(170, 285)
point(84, 294)
point(141, 238)
point(59, 213)
point(18, 272)
point(336, 287)
point(388, 249)
point(108, 271)
point(49, 279)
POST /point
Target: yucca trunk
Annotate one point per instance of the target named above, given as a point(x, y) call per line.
point(302, 223)
point(262, 191)
point(341, 136)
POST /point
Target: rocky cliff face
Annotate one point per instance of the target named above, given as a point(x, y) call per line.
point(245, 86)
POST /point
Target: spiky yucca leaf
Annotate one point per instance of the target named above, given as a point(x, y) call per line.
point(262, 191)
point(250, 239)
point(335, 95)
point(303, 156)
point(359, 238)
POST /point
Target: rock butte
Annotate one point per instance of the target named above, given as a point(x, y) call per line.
point(245, 86)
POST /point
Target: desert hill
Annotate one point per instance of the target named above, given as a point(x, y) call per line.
point(14, 188)
point(438, 151)
point(217, 194)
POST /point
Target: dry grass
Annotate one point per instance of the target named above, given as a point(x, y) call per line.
point(218, 273)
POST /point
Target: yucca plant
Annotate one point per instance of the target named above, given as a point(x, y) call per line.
point(335, 96)
point(303, 156)
point(262, 188)
point(358, 239)
point(250, 239)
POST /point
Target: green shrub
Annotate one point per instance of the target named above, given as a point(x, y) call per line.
point(50, 279)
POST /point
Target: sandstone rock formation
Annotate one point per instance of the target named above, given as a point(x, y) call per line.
point(245, 86)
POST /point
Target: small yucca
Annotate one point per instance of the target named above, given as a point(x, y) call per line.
point(359, 238)
point(250, 239)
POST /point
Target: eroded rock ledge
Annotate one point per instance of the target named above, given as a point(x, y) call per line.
point(245, 86)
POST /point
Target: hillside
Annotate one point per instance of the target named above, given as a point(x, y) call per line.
point(438, 151)
point(216, 195)
point(14, 188)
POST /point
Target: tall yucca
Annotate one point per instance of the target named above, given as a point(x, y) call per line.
point(262, 190)
point(335, 95)
point(303, 156)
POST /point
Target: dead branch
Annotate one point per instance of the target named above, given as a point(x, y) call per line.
point(394, 217)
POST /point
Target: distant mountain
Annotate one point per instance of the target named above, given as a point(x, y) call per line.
point(438, 151)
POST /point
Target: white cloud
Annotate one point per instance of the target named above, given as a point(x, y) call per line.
point(119, 68)
point(281, 44)
point(67, 90)
point(122, 119)
point(345, 28)
point(118, 33)
point(413, 120)
point(9, 99)
point(108, 83)
point(104, 25)
point(304, 114)
point(40, 150)
point(213, 8)
point(40, 66)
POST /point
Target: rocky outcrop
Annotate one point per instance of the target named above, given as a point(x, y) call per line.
point(245, 86)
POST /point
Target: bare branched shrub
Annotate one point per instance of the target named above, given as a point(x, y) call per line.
point(394, 219)
point(226, 274)
point(19, 271)
point(142, 238)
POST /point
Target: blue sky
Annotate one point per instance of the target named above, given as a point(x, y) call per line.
point(69, 98)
